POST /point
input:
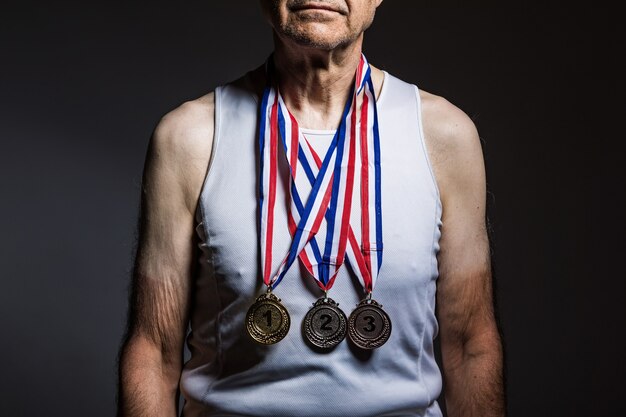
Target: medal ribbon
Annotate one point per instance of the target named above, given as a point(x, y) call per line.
point(320, 195)
point(329, 190)
point(370, 252)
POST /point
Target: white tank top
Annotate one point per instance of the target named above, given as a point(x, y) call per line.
point(228, 374)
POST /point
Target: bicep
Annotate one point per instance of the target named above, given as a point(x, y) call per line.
point(464, 294)
point(164, 263)
point(464, 291)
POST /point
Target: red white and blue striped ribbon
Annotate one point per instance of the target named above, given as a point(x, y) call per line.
point(328, 185)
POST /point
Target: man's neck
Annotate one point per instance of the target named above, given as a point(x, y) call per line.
point(315, 84)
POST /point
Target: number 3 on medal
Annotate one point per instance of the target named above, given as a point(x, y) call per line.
point(371, 324)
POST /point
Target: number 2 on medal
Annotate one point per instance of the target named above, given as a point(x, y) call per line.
point(371, 326)
point(327, 320)
point(268, 317)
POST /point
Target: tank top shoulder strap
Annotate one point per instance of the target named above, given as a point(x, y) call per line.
point(236, 107)
point(404, 99)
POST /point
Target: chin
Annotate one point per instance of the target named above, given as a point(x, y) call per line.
point(313, 36)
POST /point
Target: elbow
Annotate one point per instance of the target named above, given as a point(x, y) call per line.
point(477, 342)
point(482, 342)
point(141, 357)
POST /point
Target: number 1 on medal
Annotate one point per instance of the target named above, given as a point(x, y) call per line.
point(268, 317)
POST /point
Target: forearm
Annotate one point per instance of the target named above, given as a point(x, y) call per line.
point(148, 383)
point(474, 377)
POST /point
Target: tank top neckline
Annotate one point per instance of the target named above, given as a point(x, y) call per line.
point(327, 132)
point(378, 100)
point(317, 132)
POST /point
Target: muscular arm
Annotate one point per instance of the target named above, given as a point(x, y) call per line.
point(470, 342)
point(152, 352)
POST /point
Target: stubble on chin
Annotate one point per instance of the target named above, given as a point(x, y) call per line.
point(306, 37)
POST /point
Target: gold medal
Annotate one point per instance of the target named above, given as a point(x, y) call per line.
point(369, 326)
point(267, 320)
point(324, 326)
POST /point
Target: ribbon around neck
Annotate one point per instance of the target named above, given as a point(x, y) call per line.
point(327, 186)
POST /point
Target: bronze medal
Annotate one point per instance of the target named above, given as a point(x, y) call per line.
point(369, 327)
point(267, 320)
point(324, 326)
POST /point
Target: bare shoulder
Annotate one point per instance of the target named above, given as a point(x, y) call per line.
point(187, 129)
point(453, 145)
point(180, 146)
point(447, 128)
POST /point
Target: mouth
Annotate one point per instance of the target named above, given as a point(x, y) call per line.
point(323, 7)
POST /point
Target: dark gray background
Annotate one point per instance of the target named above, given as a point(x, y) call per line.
point(83, 85)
